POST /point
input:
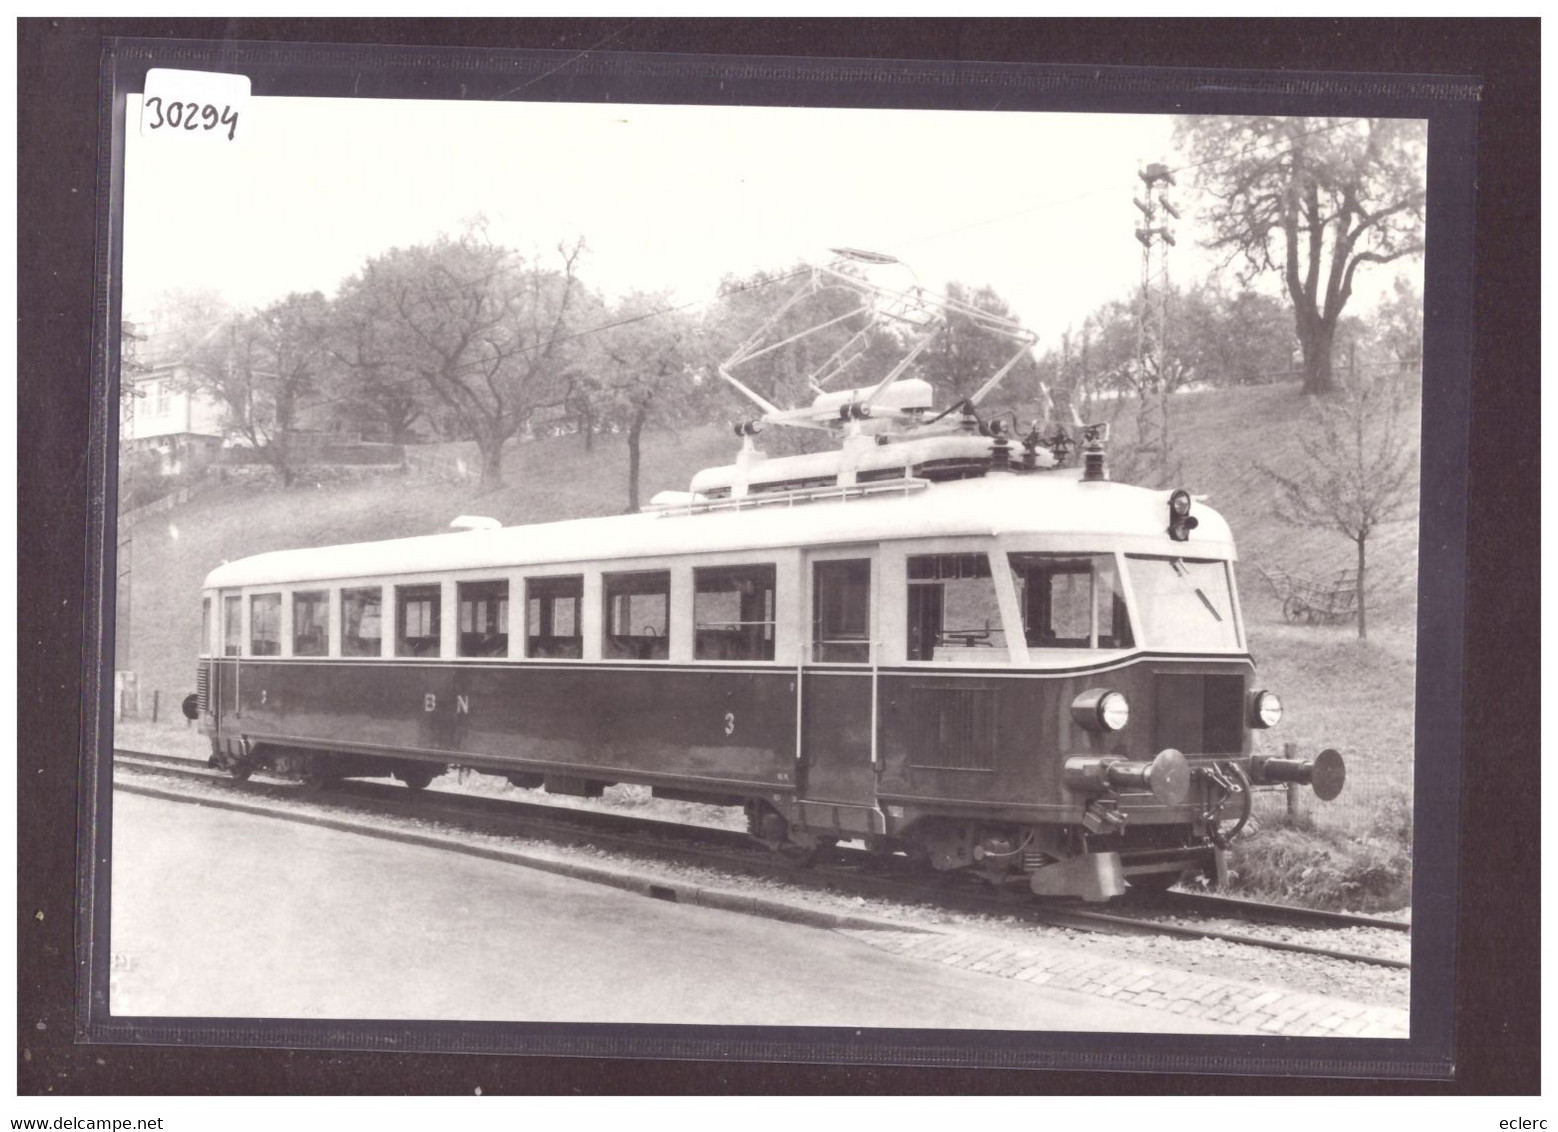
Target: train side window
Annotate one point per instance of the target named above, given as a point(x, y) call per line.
point(205, 625)
point(1071, 601)
point(637, 615)
point(841, 611)
point(733, 612)
point(416, 620)
point(265, 625)
point(953, 611)
point(311, 623)
point(232, 625)
point(484, 618)
point(552, 626)
point(362, 622)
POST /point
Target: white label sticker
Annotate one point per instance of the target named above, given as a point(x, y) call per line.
point(195, 105)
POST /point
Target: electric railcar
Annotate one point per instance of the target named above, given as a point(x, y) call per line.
point(929, 645)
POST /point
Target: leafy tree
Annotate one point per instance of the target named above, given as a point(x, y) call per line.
point(1398, 325)
point(1245, 338)
point(1358, 467)
point(1216, 338)
point(1213, 338)
point(379, 393)
point(1312, 198)
point(645, 372)
point(966, 354)
point(262, 369)
point(490, 335)
point(1113, 347)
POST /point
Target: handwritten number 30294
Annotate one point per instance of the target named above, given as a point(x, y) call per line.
point(192, 116)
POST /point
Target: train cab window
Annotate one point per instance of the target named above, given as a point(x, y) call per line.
point(953, 612)
point(841, 611)
point(416, 620)
point(484, 619)
point(205, 625)
point(637, 615)
point(733, 612)
point(362, 622)
point(552, 626)
point(1184, 602)
point(1071, 601)
point(232, 625)
point(311, 623)
point(265, 625)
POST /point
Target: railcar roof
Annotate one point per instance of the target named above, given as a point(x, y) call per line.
point(1100, 516)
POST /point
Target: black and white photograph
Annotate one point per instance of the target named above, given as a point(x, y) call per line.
point(767, 566)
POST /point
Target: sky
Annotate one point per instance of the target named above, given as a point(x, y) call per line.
point(666, 197)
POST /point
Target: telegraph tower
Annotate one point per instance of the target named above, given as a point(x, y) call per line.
point(1153, 359)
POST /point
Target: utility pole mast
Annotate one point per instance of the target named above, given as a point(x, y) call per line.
point(1156, 237)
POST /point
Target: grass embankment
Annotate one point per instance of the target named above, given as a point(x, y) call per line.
point(1339, 692)
point(1361, 870)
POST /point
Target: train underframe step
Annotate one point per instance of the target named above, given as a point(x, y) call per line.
point(1103, 875)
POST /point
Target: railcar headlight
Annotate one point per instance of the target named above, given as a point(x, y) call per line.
point(1114, 711)
point(1101, 709)
point(1266, 709)
point(1181, 523)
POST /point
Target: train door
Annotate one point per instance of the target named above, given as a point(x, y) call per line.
point(224, 673)
point(838, 688)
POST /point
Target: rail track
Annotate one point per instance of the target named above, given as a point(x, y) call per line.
point(843, 869)
point(1210, 904)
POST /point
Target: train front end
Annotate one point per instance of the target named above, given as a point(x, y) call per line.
point(1153, 737)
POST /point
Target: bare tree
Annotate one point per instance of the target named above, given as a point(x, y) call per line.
point(1314, 199)
point(1358, 467)
point(486, 332)
point(645, 374)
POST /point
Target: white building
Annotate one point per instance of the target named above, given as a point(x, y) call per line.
point(163, 412)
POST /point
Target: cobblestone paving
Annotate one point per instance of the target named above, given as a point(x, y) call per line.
point(1247, 1006)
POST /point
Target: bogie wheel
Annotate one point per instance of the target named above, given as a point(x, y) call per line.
point(240, 771)
point(318, 781)
point(415, 778)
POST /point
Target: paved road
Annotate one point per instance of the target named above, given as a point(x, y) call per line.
point(223, 914)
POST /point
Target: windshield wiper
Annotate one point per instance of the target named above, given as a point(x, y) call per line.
point(1183, 574)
